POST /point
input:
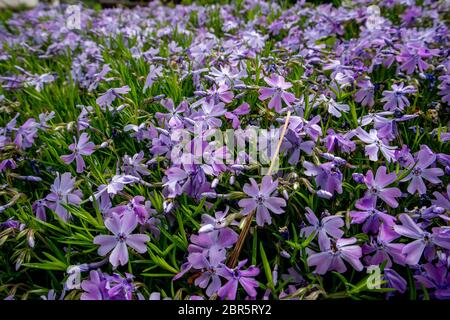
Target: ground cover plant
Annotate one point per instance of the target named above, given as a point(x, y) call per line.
point(251, 150)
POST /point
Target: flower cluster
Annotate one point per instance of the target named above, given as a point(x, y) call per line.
point(259, 150)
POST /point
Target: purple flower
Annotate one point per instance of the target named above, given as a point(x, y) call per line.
point(394, 280)
point(262, 200)
point(134, 166)
point(365, 95)
point(209, 115)
point(372, 218)
point(213, 244)
point(425, 158)
point(383, 249)
point(141, 211)
point(243, 109)
point(335, 108)
point(116, 184)
point(375, 144)
point(327, 176)
point(62, 192)
point(153, 74)
point(121, 228)
point(442, 200)
point(82, 148)
point(120, 288)
point(413, 56)
point(335, 141)
point(210, 223)
point(333, 255)
point(7, 164)
point(95, 287)
point(436, 277)
point(26, 134)
point(209, 277)
point(327, 227)
point(207, 252)
point(376, 188)
point(174, 118)
point(277, 91)
point(110, 95)
point(293, 143)
point(396, 98)
point(237, 276)
point(424, 242)
point(220, 93)
point(39, 209)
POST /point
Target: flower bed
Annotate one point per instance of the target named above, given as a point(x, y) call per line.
point(245, 151)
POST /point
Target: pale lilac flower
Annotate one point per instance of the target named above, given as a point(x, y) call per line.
point(116, 184)
point(376, 187)
point(425, 158)
point(336, 108)
point(122, 229)
point(134, 166)
point(325, 228)
point(396, 98)
point(209, 115)
point(26, 134)
point(413, 56)
point(375, 144)
point(238, 276)
point(277, 92)
point(153, 74)
point(327, 175)
point(262, 200)
point(365, 94)
point(442, 200)
point(335, 141)
point(219, 221)
point(332, 256)
point(175, 116)
point(110, 95)
point(81, 148)
point(63, 192)
point(424, 242)
point(95, 287)
point(227, 75)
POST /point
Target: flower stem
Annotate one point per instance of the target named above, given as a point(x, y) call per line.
point(248, 220)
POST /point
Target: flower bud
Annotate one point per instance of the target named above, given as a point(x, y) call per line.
point(358, 177)
point(324, 194)
point(214, 183)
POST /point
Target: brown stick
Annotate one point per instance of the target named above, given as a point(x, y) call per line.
point(248, 220)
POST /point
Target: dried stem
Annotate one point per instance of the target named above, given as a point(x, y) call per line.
point(248, 220)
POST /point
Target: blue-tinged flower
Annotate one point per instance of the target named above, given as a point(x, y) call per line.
point(238, 276)
point(121, 238)
point(424, 242)
point(63, 192)
point(333, 255)
point(262, 200)
point(81, 148)
point(376, 188)
point(326, 228)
